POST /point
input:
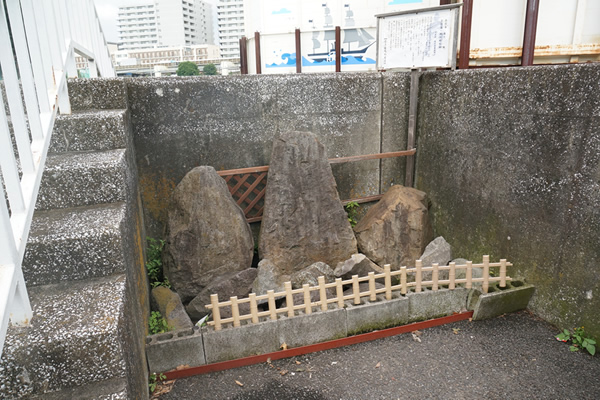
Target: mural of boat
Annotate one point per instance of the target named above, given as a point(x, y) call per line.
point(359, 36)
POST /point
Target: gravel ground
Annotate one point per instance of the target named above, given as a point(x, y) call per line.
point(511, 357)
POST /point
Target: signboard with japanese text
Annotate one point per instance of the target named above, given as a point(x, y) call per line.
point(423, 38)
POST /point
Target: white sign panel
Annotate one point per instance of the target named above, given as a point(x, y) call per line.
point(418, 39)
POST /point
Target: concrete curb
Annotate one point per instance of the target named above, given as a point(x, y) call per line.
point(168, 351)
point(500, 301)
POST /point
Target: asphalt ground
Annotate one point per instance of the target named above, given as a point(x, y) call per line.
point(510, 357)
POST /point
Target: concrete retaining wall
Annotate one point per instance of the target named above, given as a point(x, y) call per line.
point(510, 159)
point(230, 122)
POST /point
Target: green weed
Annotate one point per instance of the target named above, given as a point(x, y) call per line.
point(157, 323)
point(579, 339)
point(154, 380)
point(154, 263)
point(352, 210)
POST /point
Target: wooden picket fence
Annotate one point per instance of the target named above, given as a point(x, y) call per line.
point(403, 287)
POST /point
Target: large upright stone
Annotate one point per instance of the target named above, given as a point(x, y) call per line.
point(208, 236)
point(395, 230)
point(303, 221)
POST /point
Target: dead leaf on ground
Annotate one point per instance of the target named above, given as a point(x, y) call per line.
point(162, 387)
point(283, 372)
point(298, 363)
point(378, 365)
point(284, 346)
point(179, 368)
point(239, 383)
point(416, 338)
point(418, 333)
point(300, 370)
point(455, 330)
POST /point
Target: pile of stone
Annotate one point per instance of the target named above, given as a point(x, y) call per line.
point(304, 234)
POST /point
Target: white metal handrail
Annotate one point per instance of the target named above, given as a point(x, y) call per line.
point(38, 43)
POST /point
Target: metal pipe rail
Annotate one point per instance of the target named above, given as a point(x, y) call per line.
point(38, 43)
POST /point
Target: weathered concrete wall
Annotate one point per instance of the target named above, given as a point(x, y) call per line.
point(230, 122)
point(510, 159)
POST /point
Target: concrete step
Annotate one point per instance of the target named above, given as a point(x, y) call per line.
point(79, 179)
point(97, 94)
point(77, 337)
point(74, 244)
point(90, 131)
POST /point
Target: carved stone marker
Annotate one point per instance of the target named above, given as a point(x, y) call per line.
point(303, 221)
point(395, 230)
point(208, 236)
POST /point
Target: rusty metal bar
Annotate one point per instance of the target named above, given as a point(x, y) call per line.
point(412, 125)
point(338, 49)
point(378, 156)
point(243, 56)
point(298, 52)
point(366, 199)
point(531, 18)
point(465, 34)
point(257, 51)
point(373, 156)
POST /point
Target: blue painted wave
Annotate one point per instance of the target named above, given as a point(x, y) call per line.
point(289, 60)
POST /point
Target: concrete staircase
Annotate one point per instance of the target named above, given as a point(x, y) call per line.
point(84, 265)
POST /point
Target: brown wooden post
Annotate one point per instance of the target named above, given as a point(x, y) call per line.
point(257, 51)
point(338, 49)
point(465, 34)
point(298, 52)
point(243, 56)
point(445, 2)
point(531, 18)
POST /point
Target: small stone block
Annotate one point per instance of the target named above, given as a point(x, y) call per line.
point(314, 328)
point(376, 316)
point(244, 341)
point(430, 304)
point(498, 302)
point(167, 351)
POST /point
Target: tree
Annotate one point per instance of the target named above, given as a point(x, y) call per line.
point(187, 68)
point(209, 69)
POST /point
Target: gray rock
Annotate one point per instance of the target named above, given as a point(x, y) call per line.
point(359, 265)
point(268, 278)
point(438, 251)
point(208, 236)
point(395, 230)
point(303, 221)
point(239, 285)
point(311, 274)
point(170, 306)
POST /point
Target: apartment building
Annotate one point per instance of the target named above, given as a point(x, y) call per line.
point(162, 23)
point(230, 16)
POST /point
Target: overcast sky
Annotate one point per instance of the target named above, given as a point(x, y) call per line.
point(107, 12)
